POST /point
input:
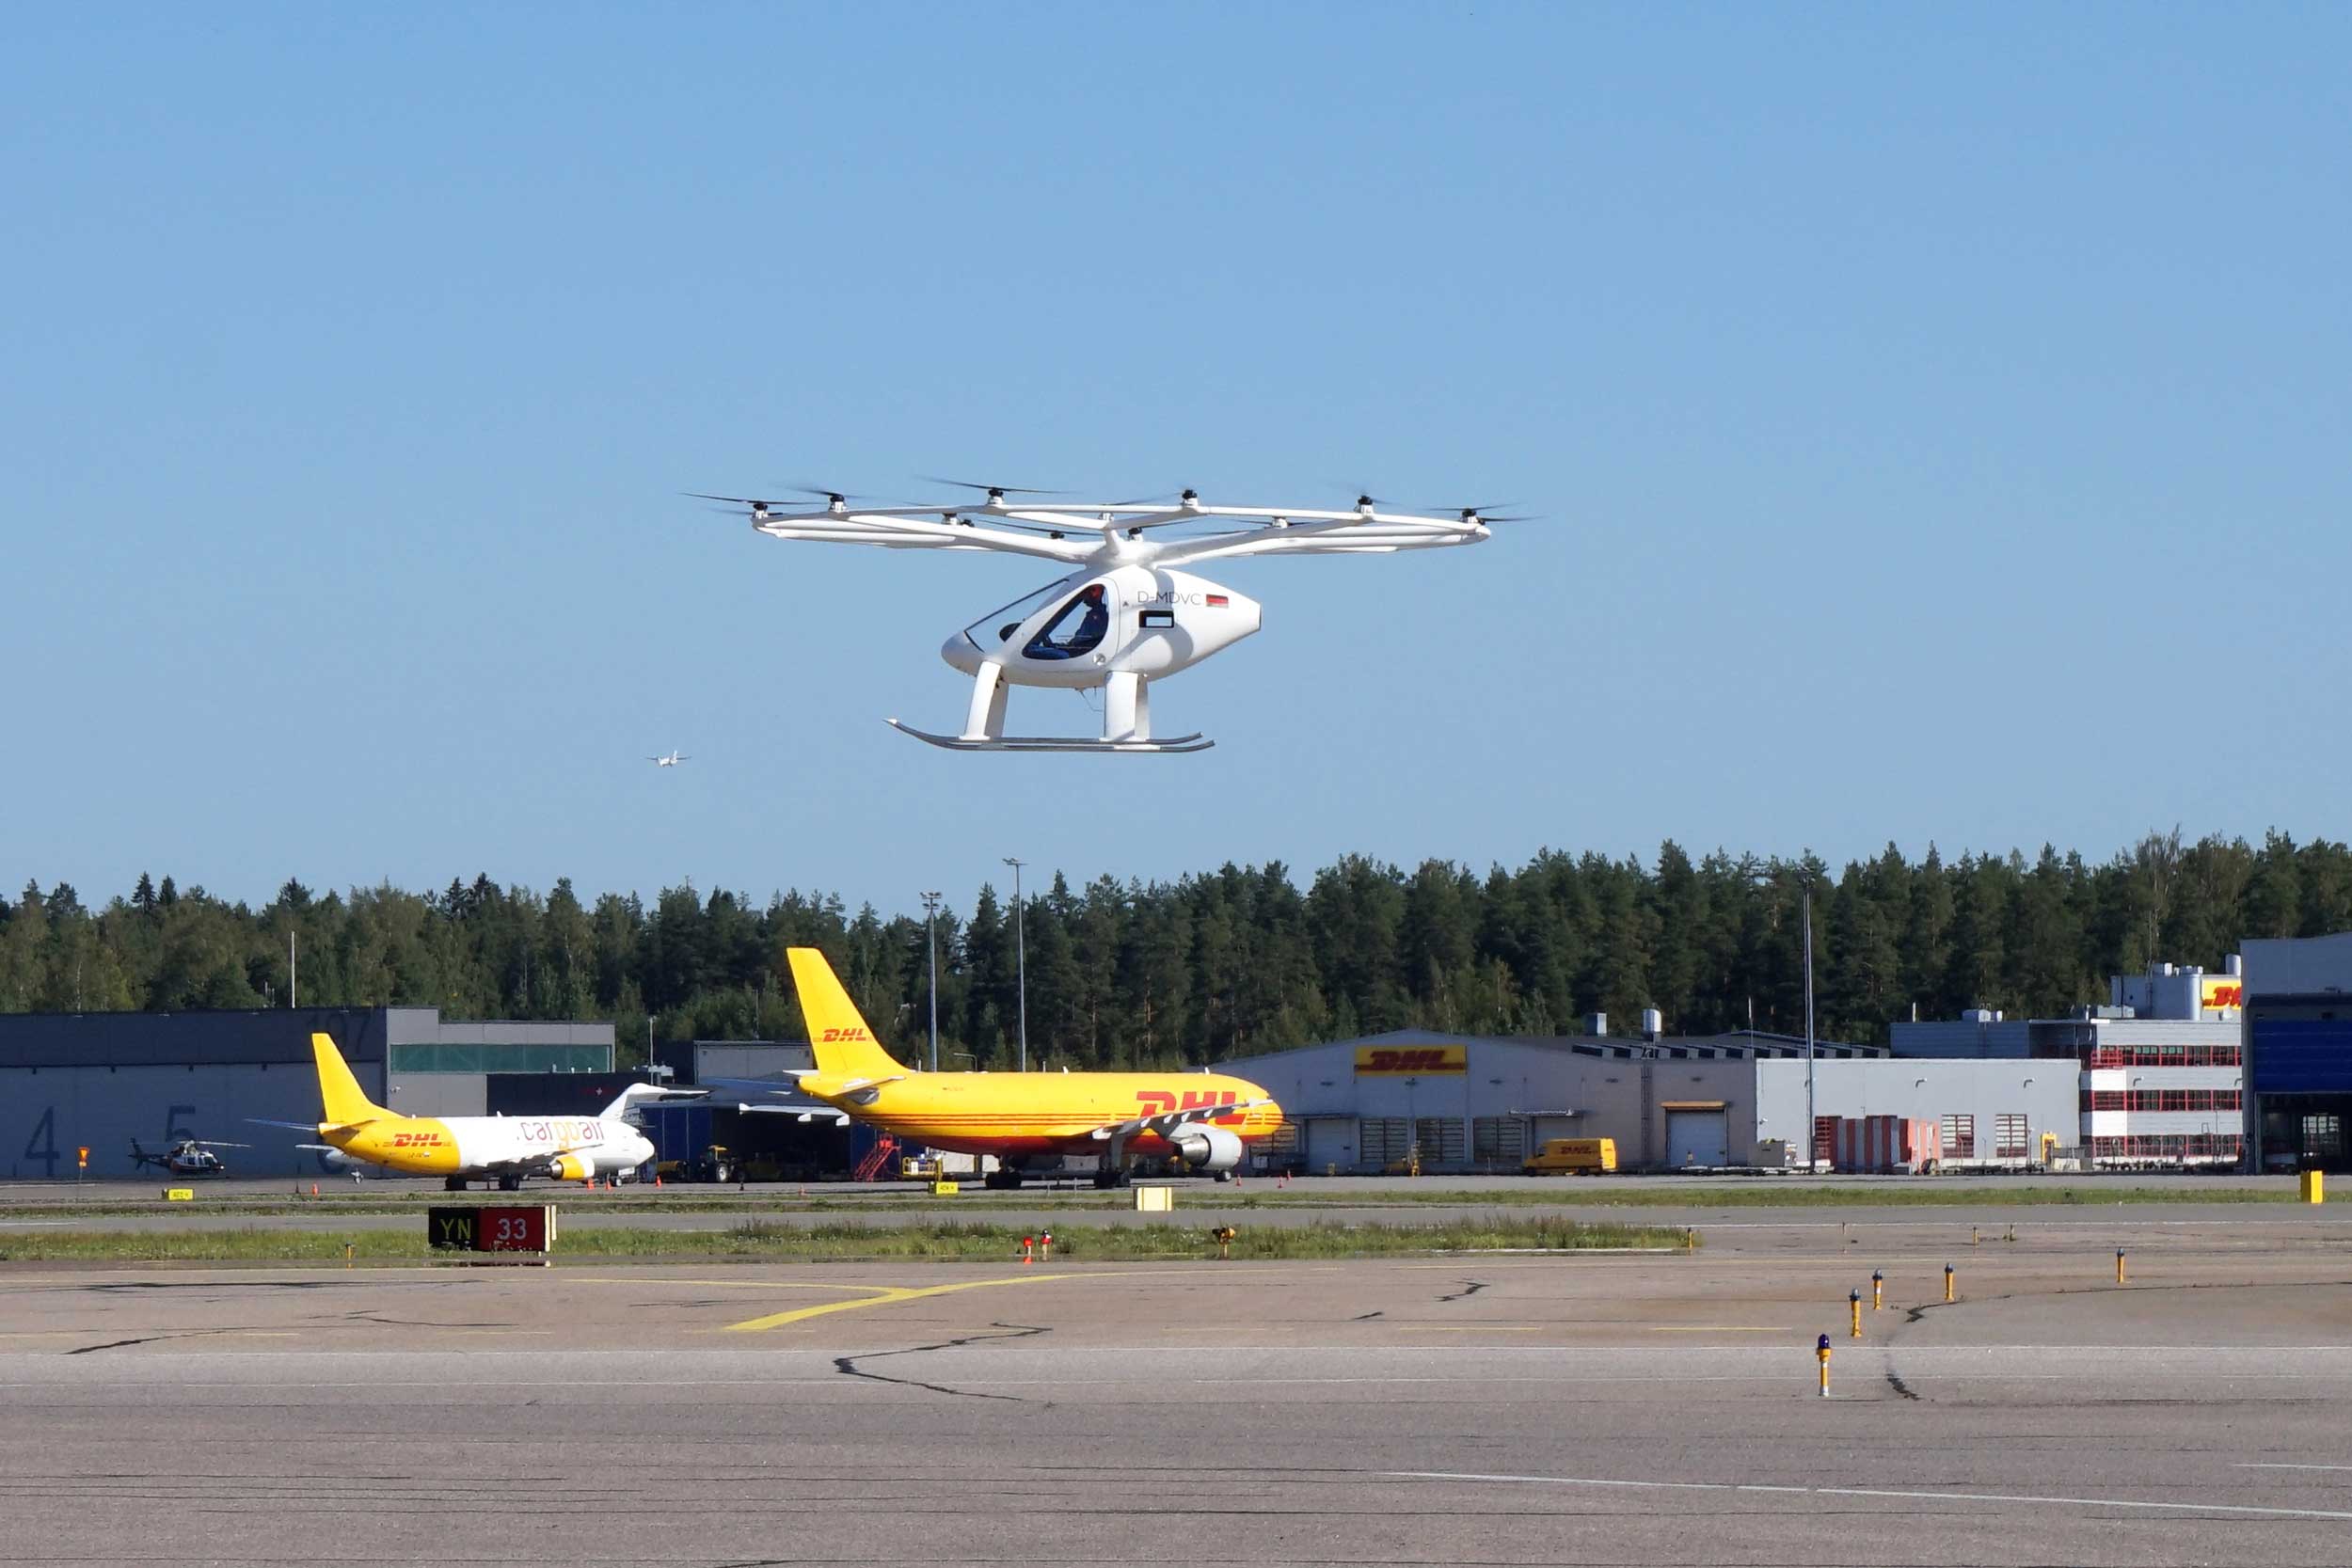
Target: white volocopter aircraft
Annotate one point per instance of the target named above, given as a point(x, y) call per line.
point(1124, 616)
point(505, 1150)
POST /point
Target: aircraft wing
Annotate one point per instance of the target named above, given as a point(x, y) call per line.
point(860, 1090)
point(1168, 1121)
point(798, 1112)
point(532, 1164)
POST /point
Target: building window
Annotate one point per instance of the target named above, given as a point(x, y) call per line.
point(2162, 1055)
point(2010, 1137)
point(1960, 1138)
point(2323, 1137)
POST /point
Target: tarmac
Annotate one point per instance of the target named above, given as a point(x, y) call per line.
point(1587, 1409)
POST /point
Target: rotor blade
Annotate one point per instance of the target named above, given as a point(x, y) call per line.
point(988, 489)
point(825, 490)
point(739, 500)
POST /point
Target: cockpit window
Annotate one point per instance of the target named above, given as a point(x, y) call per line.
point(1077, 628)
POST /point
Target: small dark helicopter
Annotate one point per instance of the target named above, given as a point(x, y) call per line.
point(188, 1157)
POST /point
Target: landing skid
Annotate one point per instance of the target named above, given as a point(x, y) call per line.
point(1052, 742)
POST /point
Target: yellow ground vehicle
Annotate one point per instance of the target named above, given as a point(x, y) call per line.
point(1572, 1156)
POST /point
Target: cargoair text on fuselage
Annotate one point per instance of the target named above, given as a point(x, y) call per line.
point(504, 1149)
point(1202, 1121)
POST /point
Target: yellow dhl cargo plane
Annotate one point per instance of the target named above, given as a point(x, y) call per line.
point(504, 1149)
point(1202, 1121)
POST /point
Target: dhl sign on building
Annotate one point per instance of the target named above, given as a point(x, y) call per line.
point(1392, 1061)
point(2221, 993)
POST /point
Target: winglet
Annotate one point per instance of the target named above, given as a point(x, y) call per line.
point(837, 1034)
point(341, 1099)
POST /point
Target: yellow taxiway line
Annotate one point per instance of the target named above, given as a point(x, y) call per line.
point(885, 1295)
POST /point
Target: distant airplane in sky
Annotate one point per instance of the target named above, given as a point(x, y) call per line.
point(670, 761)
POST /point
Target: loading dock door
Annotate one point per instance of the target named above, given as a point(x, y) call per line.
point(1545, 1128)
point(1330, 1141)
point(1696, 1138)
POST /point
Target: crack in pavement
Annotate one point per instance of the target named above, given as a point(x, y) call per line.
point(157, 1338)
point(103, 1285)
point(847, 1365)
point(1470, 1287)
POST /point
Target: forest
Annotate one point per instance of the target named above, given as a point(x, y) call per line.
point(1220, 963)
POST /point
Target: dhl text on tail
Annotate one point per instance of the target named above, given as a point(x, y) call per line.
point(1202, 1121)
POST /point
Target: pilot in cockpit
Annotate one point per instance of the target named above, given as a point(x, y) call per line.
point(1062, 639)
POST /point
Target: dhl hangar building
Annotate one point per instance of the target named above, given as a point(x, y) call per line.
point(2181, 1070)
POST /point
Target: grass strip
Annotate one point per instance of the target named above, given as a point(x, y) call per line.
point(1642, 1193)
point(772, 1240)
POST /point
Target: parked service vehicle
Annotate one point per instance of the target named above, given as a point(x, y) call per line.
point(1572, 1156)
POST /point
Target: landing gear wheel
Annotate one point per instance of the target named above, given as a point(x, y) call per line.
point(453, 1184)
point(1002, 1181)
point(510, 1183)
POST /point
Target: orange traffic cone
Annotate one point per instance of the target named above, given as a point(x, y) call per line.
point(314, 1189)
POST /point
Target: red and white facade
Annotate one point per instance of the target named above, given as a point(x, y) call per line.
point(2161, 1074)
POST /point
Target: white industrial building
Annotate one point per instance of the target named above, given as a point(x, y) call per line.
point(2159, 1071)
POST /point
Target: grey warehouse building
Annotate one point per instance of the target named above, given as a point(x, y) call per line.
point(70, 1080)
point(1482, 1103)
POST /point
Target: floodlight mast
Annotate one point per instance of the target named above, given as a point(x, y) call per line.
point(1020, 958)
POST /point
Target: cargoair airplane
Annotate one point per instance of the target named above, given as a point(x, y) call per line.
point(460, 1149)
point(1202, 1121)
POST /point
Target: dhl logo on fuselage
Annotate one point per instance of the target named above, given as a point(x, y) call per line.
point(1159, 1102)
point(1378, 1060)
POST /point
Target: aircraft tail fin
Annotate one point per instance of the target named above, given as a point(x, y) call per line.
point(839, 1038)
point(636, 1093)
point(343, 1102)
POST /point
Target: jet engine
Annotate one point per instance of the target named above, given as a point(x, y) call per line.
point(1209, 1148)
point(571, 1167)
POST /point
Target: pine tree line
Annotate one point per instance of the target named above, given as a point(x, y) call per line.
point(1224, 963)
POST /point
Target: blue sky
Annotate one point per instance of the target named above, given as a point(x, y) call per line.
point(1940, 415)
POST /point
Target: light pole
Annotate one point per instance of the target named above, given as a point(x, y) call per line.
point(1020, 958)
point(1412, 1130)
point(1804, 887)
point(930, 940)
point(1812, 1152)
